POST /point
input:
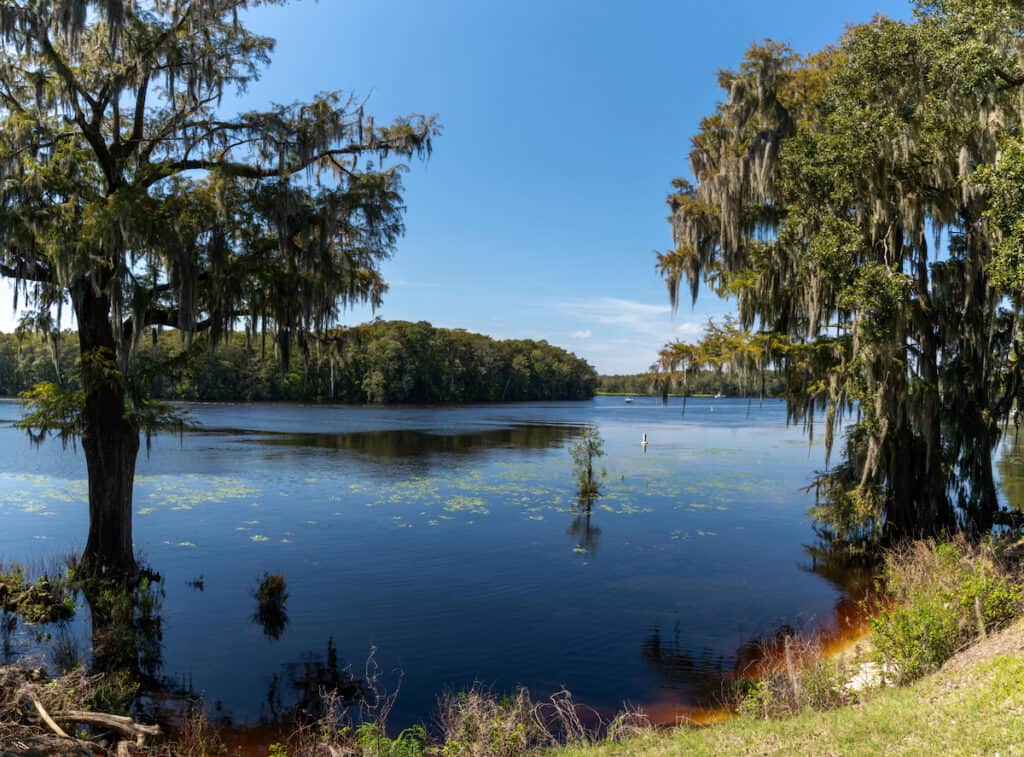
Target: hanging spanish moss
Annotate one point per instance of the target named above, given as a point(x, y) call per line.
point(844, 201)
point(127, 193)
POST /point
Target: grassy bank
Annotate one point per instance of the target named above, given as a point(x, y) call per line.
point(973, 705)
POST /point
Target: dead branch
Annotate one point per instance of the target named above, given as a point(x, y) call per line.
point(120, 723)
point(44, 714)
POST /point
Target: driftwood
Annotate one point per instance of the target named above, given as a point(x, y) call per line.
point(120, 723)
point(44, 715)
point(84, 747)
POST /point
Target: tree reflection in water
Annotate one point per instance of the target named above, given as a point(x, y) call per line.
point(127, 629)
point(271, 595)
point(299, 692)
point(586, 535)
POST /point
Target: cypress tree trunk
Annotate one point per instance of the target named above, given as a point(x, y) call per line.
point(900, 521)
point(110, 441)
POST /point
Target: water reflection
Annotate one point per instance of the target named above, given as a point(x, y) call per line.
point(586, 535)
point(299, 692)
point(412, 443)
point(1011, 471)
point(127, 628)
point(696, 677)
point(271, 614)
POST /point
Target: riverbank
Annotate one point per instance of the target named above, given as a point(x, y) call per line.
point(943, 667)
point(973, 705)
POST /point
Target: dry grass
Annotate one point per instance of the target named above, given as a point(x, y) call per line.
point(792, 674)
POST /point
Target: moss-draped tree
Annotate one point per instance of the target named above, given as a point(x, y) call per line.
point(128, 195)
point(863, 207)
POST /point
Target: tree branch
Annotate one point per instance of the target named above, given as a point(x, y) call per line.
point(165, 317)
point(1009, 80)
point(25, 271)
point(248, 171)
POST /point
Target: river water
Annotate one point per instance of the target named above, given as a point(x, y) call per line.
point(450, 539)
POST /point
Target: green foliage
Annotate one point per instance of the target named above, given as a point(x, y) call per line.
point(1005, 181)
point(50, 408)
point(47, 599)
point(115, 692)
point(701, 382)
point(478, 723)
point(382, 361)
point(757, 699)
point(370, 740)
point(943, 597)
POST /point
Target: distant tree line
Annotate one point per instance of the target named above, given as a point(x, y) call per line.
point(705, 383)
point(378, 362)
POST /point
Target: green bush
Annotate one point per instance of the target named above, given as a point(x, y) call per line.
point(943, 597)
point(915, 639)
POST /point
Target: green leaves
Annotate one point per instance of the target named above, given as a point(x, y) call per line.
point(55, 409)
point(1005, 181)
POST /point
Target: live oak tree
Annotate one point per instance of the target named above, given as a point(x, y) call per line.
point(129, 196)
point(863, 206)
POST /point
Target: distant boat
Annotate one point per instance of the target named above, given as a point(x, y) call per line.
point(629, 400)
point(719, 396)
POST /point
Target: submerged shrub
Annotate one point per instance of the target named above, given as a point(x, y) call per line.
point(45, 600)
point(944, 596)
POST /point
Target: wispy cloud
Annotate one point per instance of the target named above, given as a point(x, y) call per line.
point(639, 317)
point(624, 336)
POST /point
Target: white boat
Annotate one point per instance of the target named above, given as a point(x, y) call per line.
point(719, 396)
point(629, 400)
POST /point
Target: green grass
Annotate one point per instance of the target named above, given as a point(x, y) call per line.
point(972, 709)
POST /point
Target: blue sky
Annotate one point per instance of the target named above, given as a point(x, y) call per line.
point(564, 121)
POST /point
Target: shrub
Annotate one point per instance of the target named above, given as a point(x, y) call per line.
point(475, 722)
point(943, 597)
point(793, 676)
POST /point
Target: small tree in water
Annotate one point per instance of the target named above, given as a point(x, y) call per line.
point(587, 449)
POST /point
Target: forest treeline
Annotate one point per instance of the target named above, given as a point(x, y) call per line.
point(378, 362)
point(706, 383)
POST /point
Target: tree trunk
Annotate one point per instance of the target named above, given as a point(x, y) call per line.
point(988, 502)
point(110, 441)
point(900, 520)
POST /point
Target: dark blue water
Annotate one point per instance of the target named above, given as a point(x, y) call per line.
point(450, 538)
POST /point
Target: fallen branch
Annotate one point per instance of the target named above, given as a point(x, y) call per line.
point(121, 723)
point(44, 714)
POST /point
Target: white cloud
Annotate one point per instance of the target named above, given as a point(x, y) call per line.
point(691, 328)
point(629, 315)
point(584, 334)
